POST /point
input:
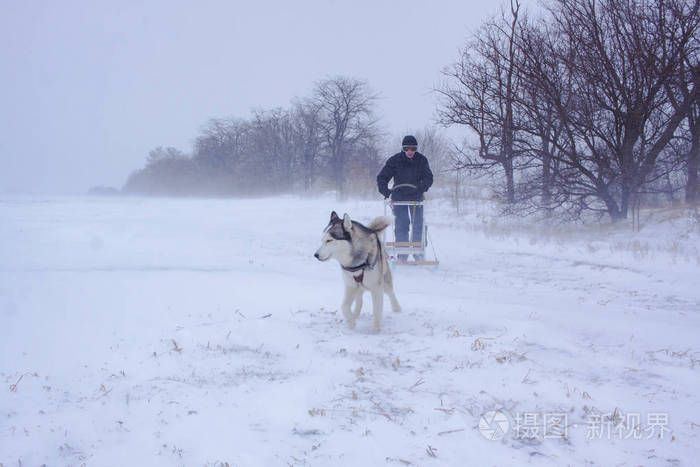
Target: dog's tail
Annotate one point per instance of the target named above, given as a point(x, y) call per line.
point(380, 223)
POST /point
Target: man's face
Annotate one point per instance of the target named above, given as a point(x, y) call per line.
point(410, 151)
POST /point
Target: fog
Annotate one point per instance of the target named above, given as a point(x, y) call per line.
point(88, 89)
point(548, 312)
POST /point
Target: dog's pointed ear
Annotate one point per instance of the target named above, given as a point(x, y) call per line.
point(334, 217)
point(347, 223)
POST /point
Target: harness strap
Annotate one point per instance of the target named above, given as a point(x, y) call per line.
point(356, 268)
point(366, 264)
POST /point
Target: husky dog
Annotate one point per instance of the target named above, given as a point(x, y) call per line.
point(362, 258)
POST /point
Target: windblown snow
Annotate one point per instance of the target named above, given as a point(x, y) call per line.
point(203, 332)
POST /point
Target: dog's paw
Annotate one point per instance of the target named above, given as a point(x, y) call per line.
point(351, 323)
point(396, 309)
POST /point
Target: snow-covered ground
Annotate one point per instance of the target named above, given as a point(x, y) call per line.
point(203, 332)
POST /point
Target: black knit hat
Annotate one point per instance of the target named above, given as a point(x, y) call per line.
point(409, 140)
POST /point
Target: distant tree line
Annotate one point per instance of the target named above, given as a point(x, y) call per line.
point(593, 106)
point(329, 140)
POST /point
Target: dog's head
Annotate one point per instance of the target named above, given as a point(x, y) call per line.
point(336, 241)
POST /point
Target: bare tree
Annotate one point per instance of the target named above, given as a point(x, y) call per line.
point(686, 89)
point(540, 122)
point(168, 171)
point(160, 153)
point(222, 144)
point(584, 105)
point(220, 153)
point(692, 192)
point(617, 57)
point(273, 152)
point(480, 93)
point(346, 117)
point(307, 139)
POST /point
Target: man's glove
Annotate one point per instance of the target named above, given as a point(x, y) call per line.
point(386, 193)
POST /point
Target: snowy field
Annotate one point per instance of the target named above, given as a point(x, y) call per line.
point(203, 332)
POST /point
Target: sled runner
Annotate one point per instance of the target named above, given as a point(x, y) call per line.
point(416, 245)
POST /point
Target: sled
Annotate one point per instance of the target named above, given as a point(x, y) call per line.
point(410, 248)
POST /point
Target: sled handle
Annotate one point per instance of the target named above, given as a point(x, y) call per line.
point(403, 185)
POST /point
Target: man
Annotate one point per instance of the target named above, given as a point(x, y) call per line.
point(412, 177)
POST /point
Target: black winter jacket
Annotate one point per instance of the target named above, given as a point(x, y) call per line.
point(415, 171)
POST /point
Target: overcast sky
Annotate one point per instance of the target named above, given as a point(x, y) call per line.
point(88, 88)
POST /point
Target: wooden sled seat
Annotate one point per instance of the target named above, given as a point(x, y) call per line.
point(416, 263)
point(405, 244)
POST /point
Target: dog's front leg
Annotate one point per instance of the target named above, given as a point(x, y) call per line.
point(358, 303)
point(350, 292)
point(378, 304)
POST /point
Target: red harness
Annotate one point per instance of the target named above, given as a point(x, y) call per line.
point(359, 278)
